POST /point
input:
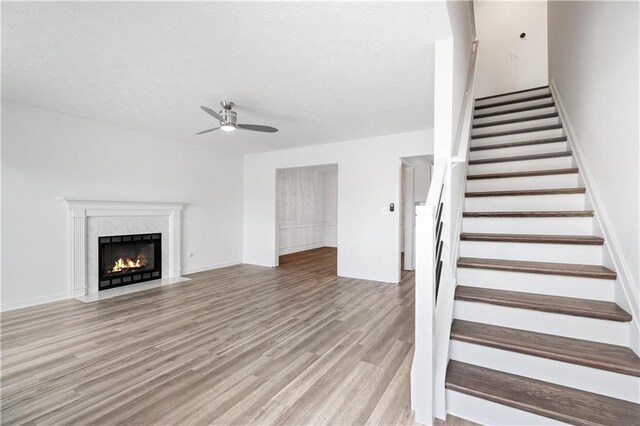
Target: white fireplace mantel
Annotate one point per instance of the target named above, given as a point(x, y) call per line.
point(81, 209)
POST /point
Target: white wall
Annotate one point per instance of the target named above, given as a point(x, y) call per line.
point(330, 203)
point(46, 155)
point(307, 209)
point(463, 31)
point(594, 67)
point(368, 180)
point(406, 219)
point(422, 180)
point(498, 27)
point(452, 76)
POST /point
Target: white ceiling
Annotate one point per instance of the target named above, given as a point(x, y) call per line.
point(319, 71)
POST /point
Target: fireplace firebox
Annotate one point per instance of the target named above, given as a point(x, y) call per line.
point(129, 259)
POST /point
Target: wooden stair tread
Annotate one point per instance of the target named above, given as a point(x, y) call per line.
point(603, 356)
point(510, 111)
point(517, 131)
point(523, 192)
point(512, 93)
point(514, 101)
point(547, 268)
point(519, 143)
point(530, 173)
point(558, 402)
point(542, 302)
point(533, 238)
point(531, 214)
point(516, 120)
point(521, 157)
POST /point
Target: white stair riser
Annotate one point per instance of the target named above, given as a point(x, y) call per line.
point(515, 126)
point(525, 203)
point(525, 136)
point(529, 182)
point(613, 332)
point(514, 96)
point(561, 253)
point(510, 107)
point(553, 285)
point(602, 382)
point(485, 412)
point(522, 166)
point(530, 113)
point(543, 148)
point(530, 225)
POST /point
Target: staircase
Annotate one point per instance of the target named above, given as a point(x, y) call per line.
point(536, 337)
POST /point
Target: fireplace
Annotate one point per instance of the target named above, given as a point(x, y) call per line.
point(129, 259)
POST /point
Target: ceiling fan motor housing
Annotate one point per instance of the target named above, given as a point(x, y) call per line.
point(228, 117)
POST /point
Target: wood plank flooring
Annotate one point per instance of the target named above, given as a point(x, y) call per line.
point(526, 173)
point(533, 238)
point(619, 359)
point(587, 308)
point(550, 268)
point(526, 192)
point(518, 214)
point(238, 345)
point(572, 406)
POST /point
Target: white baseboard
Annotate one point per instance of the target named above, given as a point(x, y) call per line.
point(378, 279)
point(301, 247)
point(612, 246)
point(212, 266)
point(25, 303)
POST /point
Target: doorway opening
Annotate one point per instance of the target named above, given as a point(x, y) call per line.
point(307, 217)
point(414, 187)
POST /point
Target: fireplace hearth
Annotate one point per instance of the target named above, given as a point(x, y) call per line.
point(129, 259)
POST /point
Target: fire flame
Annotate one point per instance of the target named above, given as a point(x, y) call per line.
point(122, 264)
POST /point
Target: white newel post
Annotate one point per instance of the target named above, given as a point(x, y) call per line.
point(422, 373)
point(81, 210)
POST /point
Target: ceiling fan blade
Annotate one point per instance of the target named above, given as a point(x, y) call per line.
point(207, 131)
point(211, 113)
point(257, 128)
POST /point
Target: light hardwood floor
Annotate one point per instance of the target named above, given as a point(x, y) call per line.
point(239, 345)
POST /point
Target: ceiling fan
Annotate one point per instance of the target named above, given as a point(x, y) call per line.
point(229, 120)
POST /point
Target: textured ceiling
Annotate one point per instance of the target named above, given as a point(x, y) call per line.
point(319, 71)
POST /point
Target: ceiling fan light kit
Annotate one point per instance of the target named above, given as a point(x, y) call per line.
point(229, 120)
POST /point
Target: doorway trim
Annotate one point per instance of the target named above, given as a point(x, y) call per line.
point(277, 227)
